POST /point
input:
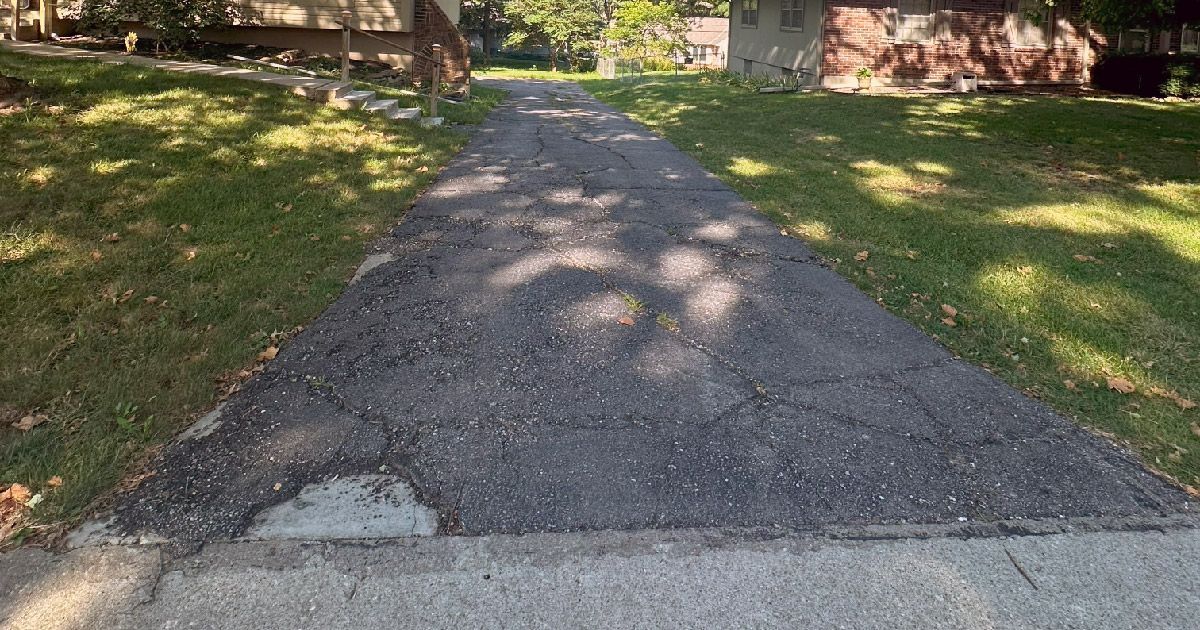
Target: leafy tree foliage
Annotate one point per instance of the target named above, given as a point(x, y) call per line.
point(567, 27)
point(1117, 15)
point(643, 28)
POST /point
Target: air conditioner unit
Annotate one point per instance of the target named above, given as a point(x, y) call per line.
point(963, 81)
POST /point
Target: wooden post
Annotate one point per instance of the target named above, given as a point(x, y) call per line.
point(346, 46)
point(437, 81)
point(47, 7)
point(16, 20)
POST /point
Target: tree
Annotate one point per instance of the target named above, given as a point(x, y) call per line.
point(1118, 15)
point(642, 28)
point(564, 26)
point(483, 16)
point(175, 22)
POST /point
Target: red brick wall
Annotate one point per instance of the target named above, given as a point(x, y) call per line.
point(433, 26)
point(854, 37)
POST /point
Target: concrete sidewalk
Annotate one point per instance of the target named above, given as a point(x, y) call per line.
point(694, 579)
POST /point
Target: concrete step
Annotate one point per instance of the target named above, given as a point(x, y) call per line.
point(387, 107)
point(407, 113)
point(356, 99)
point(330, 91)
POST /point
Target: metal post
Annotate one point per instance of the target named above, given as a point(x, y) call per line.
point(346, 46)
point(437, 81)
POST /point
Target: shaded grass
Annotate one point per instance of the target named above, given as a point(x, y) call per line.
point(983, 203)
point(241, 211)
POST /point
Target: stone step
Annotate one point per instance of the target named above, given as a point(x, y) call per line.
point(356, 99)
point(407, 113)
point(330, 91)
point(387, 107)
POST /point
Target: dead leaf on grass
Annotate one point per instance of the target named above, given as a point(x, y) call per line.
point(185, 228)
point(96, 255)
point(950, 311)
point(862, 256)
point(1087, 259)
point(1174, 397)
point(30, 421)
point(949, 321)
point(1071, 385)
point(112, 238)
point(55, 481)
point(285, 207)
point(189, 253)
point(1025, 270)
point(125, 297)
point(1121, 385)
point(269, 354)
point(151, 299)
point(423, 169)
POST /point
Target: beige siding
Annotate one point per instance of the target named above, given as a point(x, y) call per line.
point(371, 15)
point(772, 47)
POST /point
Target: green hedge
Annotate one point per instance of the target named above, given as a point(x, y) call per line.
point(1150, 75)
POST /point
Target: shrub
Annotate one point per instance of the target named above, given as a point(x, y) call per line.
point(175, 22)
point(1149, 75)
point(657, 64)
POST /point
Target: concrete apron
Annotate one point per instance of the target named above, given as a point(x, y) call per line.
point(658, 579)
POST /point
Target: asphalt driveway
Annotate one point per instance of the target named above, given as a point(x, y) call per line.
point(578, 328)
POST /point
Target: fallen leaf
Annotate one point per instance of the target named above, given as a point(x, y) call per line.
point(185, 228)
point(125, 297)
point(912, 254)
point(950, 311)
point(1110, 246)
point(54, 482)
point(1121, 385)
point(269, 354)
point(1087, 259)
point(949, 321)
point(285, 207)
point(625, 320)
point(423, 169)
point(1174, 397)
point(151, 299)
point(96, 255)
point(862, 256)
point(1071, 385)
point(189, 253)
point(112, 238)
point(1025, 271)
point(18, 493)
point(28, 422)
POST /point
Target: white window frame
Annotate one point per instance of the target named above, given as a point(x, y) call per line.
point(787, 15)
point(1145, 39)
point(749, 14)
point(1047, 27)
point(1195, 31)
point(931, 28)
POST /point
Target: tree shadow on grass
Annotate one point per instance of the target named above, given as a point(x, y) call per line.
point(238, 213)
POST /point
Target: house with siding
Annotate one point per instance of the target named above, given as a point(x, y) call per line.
point(707, 42)
point(913, 42)
point(311, 25)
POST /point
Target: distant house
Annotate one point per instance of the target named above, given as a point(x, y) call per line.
point(707, 42)
point(1185, 39)
point(912, 42)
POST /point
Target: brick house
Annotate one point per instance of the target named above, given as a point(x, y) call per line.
point(913, 42)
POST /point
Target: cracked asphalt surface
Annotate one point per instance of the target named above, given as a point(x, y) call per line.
point(484, 363)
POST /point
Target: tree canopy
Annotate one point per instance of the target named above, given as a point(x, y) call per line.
point(1117, 15)
point(643, 28)
point(563, 26)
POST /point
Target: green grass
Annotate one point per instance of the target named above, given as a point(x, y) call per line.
point(241, 211)
point(983, 203)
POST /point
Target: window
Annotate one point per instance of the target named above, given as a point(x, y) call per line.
point(1030, 22)
point(792, 16)
point(1189, 42)
point(702, 54)
point(914, 21)
point(1134, 40)
point(747, 67)
point(750, 13)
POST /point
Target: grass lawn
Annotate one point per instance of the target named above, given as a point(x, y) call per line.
point(1065, 232)
point(158, 231)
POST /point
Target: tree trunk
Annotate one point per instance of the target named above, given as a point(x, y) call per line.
point(554, 57)
point(488, 36)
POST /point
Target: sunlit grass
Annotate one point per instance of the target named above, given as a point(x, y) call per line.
point(239, 213)
point(984, 203)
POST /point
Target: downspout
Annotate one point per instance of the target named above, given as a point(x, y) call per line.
point(1085, 72)
point(821, 45)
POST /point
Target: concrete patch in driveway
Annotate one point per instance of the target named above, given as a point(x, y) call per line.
point(359, 506)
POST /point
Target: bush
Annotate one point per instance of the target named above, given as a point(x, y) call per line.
point(175, 22)
point(657, 64)
point(1149, 75)
point(752, 82)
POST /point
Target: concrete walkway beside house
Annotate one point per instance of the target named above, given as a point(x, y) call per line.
point(585, 383)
